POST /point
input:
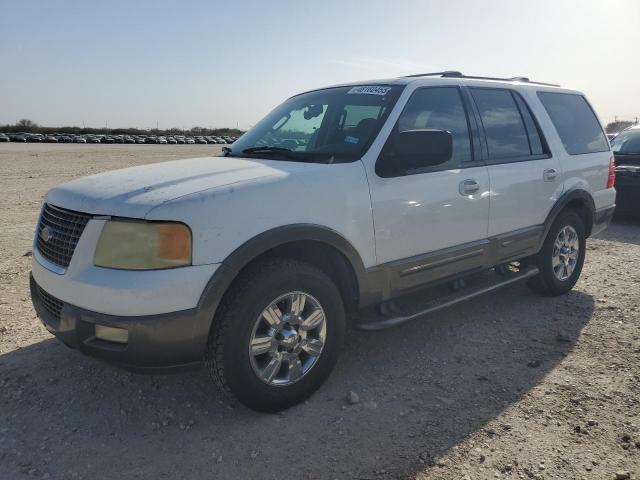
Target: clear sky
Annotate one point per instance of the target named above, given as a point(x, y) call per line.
point(218, 64)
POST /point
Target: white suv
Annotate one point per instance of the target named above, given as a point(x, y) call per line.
point(342, 199)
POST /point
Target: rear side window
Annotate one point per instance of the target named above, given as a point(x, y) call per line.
point(575, 122)
point(509, 128)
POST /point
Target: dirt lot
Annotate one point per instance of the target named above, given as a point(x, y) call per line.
point(510, 385)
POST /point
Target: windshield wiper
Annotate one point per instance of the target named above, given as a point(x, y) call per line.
point(266, 148)
point(285, 152)
point(226, 151)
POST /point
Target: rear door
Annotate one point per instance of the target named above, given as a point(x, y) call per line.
point(526, 180)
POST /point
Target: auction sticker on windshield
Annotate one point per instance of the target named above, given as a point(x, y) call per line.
point(369, 90)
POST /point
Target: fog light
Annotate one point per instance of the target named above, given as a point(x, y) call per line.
point(111, 334)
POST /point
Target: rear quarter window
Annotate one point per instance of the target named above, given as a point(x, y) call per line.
point(575, 122)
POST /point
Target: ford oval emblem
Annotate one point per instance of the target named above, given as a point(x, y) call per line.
point(46, 234)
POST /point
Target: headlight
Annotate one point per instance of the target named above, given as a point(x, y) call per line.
point(136, 245)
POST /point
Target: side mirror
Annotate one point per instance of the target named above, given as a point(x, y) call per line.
point(424, 147)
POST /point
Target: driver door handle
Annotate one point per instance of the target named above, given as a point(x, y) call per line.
point(469, 187)
point(549, 175)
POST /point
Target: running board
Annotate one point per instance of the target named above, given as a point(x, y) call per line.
point(486, 286)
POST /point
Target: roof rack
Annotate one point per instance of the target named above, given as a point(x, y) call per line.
point(446, 73)
point(456, 74)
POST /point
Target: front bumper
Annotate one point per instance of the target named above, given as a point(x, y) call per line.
point(155, 342)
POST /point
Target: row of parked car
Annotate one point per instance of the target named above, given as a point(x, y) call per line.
point(102, 138)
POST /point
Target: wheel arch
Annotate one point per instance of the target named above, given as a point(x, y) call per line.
point(321, 246)
point(579, 200)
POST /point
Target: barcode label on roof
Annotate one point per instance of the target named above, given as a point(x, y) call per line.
point(369, 90)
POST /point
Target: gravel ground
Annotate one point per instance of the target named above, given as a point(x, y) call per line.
point(510, 385)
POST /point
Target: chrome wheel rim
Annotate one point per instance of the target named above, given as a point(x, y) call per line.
point(566, 249)
point(287, 339)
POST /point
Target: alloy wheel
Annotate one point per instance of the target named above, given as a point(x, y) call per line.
point(566, 249)
point(287, 339)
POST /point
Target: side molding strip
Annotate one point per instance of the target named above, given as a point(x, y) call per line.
point(444, 261)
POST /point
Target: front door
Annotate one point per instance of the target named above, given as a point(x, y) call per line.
point(430, 220)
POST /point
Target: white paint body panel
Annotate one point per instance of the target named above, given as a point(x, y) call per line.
point(520, 197)
point(416, 214)
point(223, 218)
point(132, 192)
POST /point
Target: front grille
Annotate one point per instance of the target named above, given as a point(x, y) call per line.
point(63, 230)
point(51, 304)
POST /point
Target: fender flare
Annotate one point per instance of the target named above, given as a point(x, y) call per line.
point(231, 266)
point(581, 195)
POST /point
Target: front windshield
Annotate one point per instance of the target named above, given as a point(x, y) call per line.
point(330, 125)
point(627, 142)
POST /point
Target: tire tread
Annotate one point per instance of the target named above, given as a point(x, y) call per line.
point(247, 279)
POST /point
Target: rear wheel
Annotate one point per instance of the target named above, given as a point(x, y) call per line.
point(277, 335)
point(562, 255)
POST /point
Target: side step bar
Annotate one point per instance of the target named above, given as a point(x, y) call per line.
point(416, 311)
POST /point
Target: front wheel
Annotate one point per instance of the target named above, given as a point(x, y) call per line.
point(562, 256)
point(277, 335)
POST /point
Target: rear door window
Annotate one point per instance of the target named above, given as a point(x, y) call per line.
point(504, 127)
point(575, 122)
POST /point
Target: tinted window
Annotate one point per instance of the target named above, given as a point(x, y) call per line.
point(575, 122)
point(329, 125)
point(627, 142)
point(438, 108)
point(354, 114)
point(503, 125)
point(535, 138)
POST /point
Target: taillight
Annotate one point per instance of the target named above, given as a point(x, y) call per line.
point(612, 173)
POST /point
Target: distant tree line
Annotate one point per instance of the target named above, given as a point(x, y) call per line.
point(26, 125)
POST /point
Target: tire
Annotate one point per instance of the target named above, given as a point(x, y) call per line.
point(552, 281)
point(240, 320)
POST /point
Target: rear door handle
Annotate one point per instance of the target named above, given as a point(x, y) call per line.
point(549, 175)
point(469, 187)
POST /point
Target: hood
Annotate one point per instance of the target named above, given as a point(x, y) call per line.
point(133, 192)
